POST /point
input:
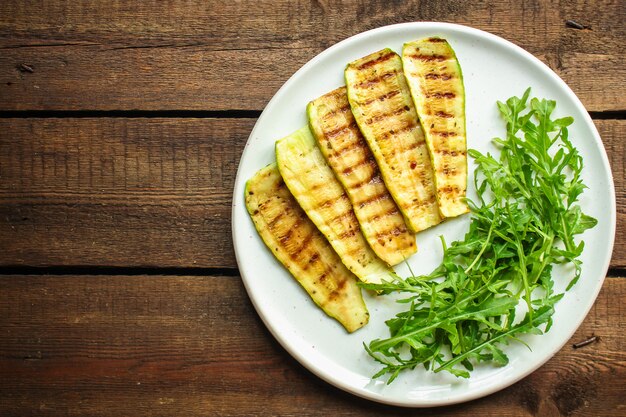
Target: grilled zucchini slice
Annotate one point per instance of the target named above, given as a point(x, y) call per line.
point(383, 108)
point(344, 148)
point(303, 250)
point(323, 199)
point(436, 82)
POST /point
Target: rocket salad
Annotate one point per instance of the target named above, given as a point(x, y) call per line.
point(523, 222)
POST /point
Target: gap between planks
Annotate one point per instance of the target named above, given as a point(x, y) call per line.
point(132, 114)
point(156, 271)
point(195, 114)
point(117, 271)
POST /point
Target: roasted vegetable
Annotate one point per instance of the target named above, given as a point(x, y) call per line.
point(436, 82)
point(383, 108)
point(303, 250)
point(347, 153)
point(323, 199)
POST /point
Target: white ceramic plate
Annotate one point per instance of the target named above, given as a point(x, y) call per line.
point(494, 69)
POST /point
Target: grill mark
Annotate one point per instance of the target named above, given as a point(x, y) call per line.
point(419, 204)
point(323, 204)
point(440, 95)
point(347, 234)
point(316, 186)
point(451, 189)
point(395, 232)
point(412, 124)
point(423, 57)
point(341, 284)
point(276, 219)
point(442, 134)
point(322, 277)
point(367, 160)
point(384, 116)
point(338, 93)
point(351, 252)
point(442, 114)
point(342, 216)
point(376, 217)
point(278, 187)
point(437, 76)
point(386, 57)
point(375, 174)
point(306, 242)
point(382, 97)
point(448, 171)
point(335, 132)
point(287, 236)
point(373, 199)
point(373, 81)
point(333, 112)
point(359, 143)
point(337, 293)
point(436, 40)
point(314, 257)
point(447, 152)
point(414, 145)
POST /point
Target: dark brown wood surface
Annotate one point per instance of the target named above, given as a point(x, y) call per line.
point(187, 345)
point(208, 55)
point(121, 128)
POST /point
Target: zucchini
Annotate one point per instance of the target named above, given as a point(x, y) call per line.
point(383, 108)
point(347, 153)
point(303, 250)
point(323, 199)
point(436, 82)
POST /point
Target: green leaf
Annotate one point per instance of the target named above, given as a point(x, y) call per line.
point(522, 223)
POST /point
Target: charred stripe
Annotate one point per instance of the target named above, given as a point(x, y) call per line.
point(373, 81)
point(333, 112)
point(411, 125)
point(335, 132)
point(384, 116)
point(440, 95)
point(373, 199)
point(442, 114)
point(350, 146)
point(276, 219)
point(368, 160)
point(444, 134)
point(373, 177)
point(447, 152)
point(382, 97)
point(382, 58)
point(395, 232)
point(424, 57)
point(301, 249)
point(376, 217)
point(437, 76)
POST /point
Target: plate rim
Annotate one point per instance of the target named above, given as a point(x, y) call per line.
point(478, 393)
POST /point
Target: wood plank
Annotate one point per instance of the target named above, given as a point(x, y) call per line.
point(121, 192)
point(204, 55)
point(613, 133)
point(178, 345)
point(144, 192)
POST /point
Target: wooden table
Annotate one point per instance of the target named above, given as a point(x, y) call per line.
point(121, 127)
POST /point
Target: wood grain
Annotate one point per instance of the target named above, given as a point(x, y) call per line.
point(144, 192)
point(121, 192)
point(135, 192)
point(179, 345)
point(210, 55)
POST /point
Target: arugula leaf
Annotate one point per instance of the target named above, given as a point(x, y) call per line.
point(523, 222)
